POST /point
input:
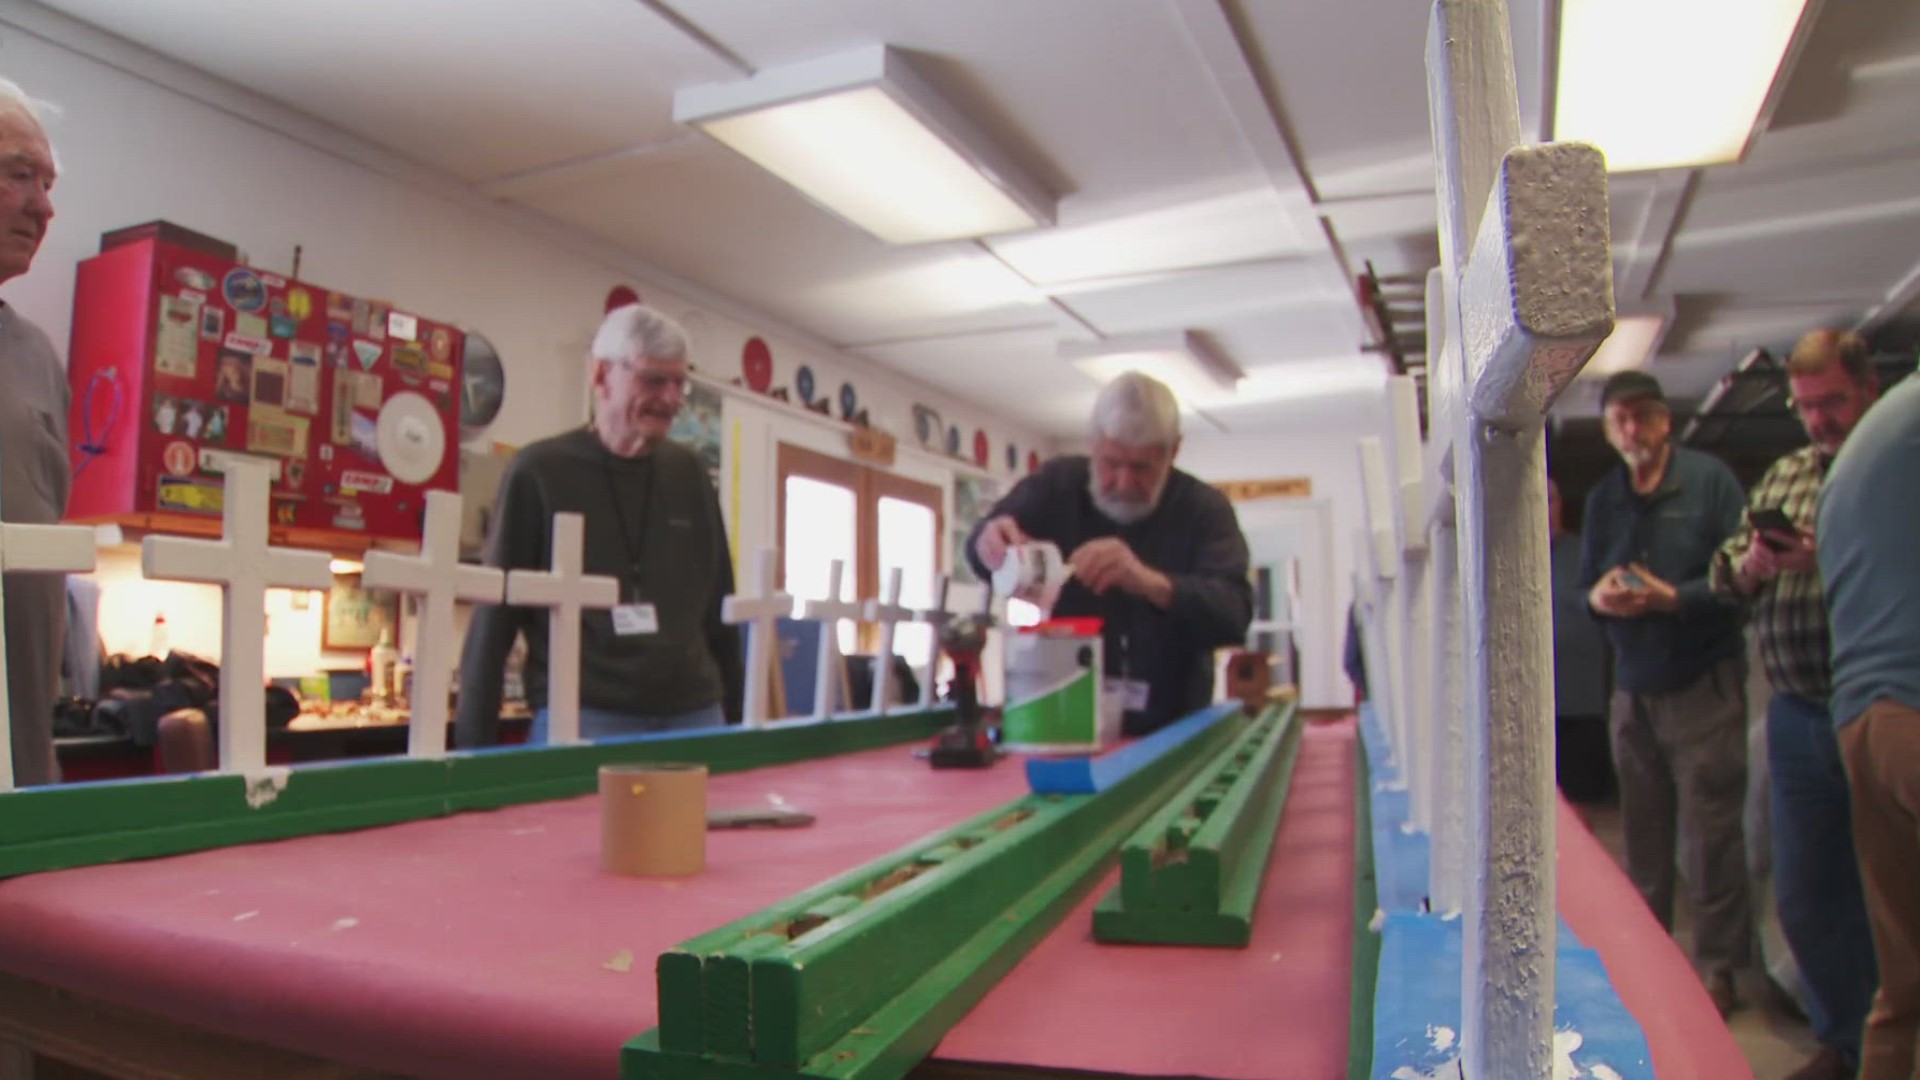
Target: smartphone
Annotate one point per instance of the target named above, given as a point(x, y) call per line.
point(1632, 580)
point(1773, 527)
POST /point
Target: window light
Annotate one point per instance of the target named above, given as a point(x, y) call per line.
point(862, 135)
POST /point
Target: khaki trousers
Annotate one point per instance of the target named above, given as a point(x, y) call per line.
point(1881, 750)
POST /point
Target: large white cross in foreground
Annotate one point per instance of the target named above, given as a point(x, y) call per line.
point(245, 566)
point(438, 578)
point(763, 609)
point(34, 549)
point(826, 672)
point(1528, 296)
point(888, 613)
point(566, 590)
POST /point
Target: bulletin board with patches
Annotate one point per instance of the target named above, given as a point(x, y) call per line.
point(182, 358)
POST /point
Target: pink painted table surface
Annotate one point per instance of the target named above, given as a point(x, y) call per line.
point(1275, 1010)
point(490, 945)
point(479, 945)
point(1656, 983)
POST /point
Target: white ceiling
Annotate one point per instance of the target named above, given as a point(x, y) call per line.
point(1224, 166)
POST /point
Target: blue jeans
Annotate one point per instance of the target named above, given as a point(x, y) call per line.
point(1816, 879)
point(607, 724)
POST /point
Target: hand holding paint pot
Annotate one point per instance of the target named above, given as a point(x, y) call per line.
point(1034, 572)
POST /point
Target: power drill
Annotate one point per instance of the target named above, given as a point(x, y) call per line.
point(967, 744)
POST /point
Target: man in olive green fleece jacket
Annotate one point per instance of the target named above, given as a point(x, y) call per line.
point(663, 660)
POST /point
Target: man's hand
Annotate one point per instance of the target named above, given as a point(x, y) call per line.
point(1628, 592)
point(1801, 553)
point(995, 538)
point(1655, 591)
point(1759, 565)
point(1108, 563)
point(1612, 596)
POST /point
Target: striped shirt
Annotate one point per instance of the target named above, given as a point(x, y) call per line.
point(1790, 611)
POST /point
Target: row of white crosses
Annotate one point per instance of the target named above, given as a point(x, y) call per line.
point(1452, 569)
point(244, 564)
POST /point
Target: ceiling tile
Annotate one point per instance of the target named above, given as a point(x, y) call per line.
point(1241, 227)
point(477, 89)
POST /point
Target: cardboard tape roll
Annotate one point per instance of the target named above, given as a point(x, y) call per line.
point(653, 819)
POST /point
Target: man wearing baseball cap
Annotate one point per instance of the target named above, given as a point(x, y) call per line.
point(1678, 715)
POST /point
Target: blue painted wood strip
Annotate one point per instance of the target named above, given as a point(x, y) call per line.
point(1092, 774)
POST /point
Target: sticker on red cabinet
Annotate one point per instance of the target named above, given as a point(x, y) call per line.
point(176, 349)
point(179, 458)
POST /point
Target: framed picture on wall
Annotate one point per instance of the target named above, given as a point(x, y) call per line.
point(355, 616)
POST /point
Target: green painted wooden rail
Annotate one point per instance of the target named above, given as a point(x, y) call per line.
point(1192, 874)
point(69, 825)
point(860, 976)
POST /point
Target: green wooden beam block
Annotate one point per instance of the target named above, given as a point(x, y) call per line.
point(683, 1002)
point(69, 825)
point(869, 991)
point(1204, 892)
point(729, 993)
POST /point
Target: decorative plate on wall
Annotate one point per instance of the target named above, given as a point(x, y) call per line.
point(981, 451)
point(927, 426)
point(756, 363)
point(803, 384)
point(849, 401)
point(953, 440)
point(620, 296)
point(1033, 461)
point(1013, 457)
point(483, 385)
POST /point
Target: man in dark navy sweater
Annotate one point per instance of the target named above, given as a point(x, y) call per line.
point(1679, 711)
point(1157, 555)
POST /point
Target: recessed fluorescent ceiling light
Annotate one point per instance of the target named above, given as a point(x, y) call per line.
point(1631, 345)
point(1197, 376)
point(1660, 84)
point(863, 136)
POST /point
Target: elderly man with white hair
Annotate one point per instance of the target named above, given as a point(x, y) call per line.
point(34, 474)
point(662, 660)
point(1157, 555)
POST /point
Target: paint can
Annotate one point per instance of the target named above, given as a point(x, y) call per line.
point(653, 819)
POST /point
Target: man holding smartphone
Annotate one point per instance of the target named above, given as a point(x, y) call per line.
point(1770, 562)
point(1678, 714)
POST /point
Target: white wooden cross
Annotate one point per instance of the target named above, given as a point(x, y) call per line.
point(1381, 566)
point(937, 617)
point(566, 591)
point(437, 577)
point(245, 566)
point(826, 673)
point(763, 609)
point(1410, 595)
point(34, 549)
point(1524, 245)
point(1446, 866)
point(888, 614)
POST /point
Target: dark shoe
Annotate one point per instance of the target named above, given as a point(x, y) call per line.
point(1720, 989)
point(1828, 1064)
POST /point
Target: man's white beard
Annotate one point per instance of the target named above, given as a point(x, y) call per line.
point(1124, 512)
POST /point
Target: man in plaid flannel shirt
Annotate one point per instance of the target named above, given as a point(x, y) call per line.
point(1822, 907)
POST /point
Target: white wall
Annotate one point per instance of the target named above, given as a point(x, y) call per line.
point(140, 138)
point(1330, 459)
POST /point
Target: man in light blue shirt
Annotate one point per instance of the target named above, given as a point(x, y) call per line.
point(1869, 551)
